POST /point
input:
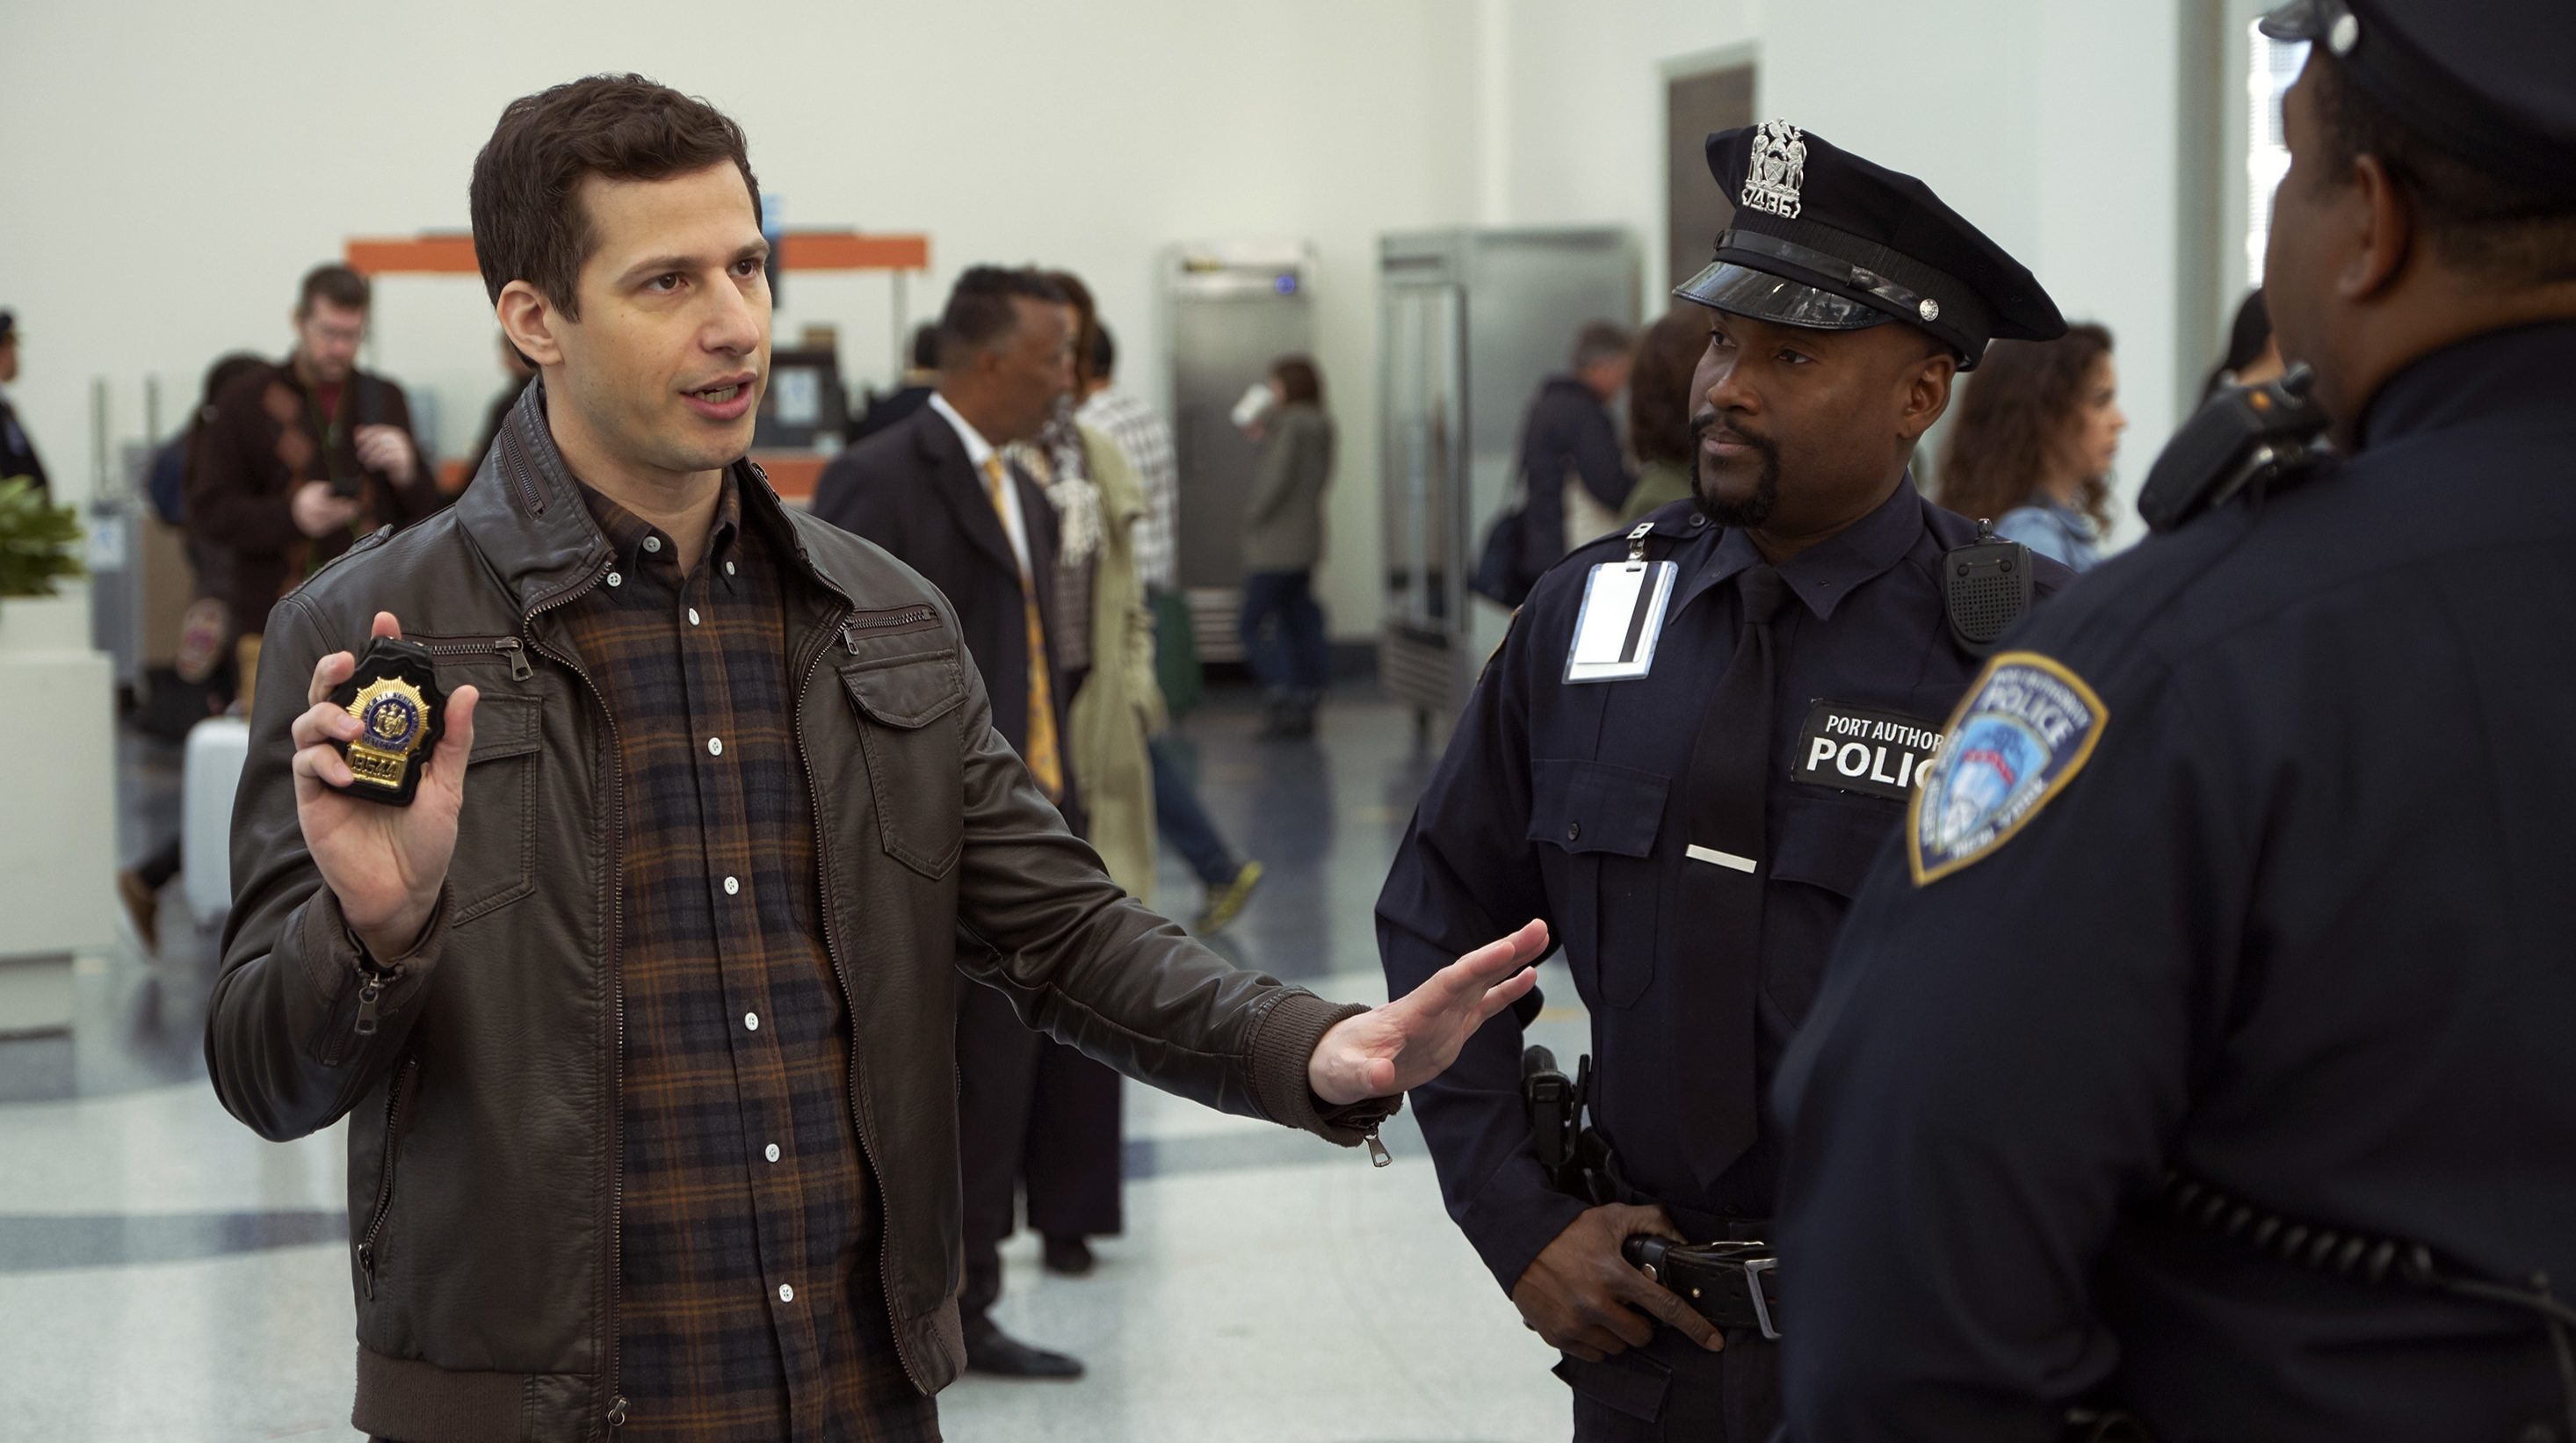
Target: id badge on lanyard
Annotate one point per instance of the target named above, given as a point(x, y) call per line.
point(1622, 616)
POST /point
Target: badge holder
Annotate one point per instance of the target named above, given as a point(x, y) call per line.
point(395, 697)
point(1622, 615)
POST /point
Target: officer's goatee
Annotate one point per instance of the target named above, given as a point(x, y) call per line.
point(1743, 511)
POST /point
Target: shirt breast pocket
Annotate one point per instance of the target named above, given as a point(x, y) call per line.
point(1604, 820)
point(907, 713)
point(496, 852)
point(1828, 847)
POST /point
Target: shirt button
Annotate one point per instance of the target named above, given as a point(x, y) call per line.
point(751, 1021)
point(715, 746)
point(1699, 521)
point(772, 1153)
point(786, 1294)
point(653, 544)
point(733, 886)
point(728, 568)
point(693, 616)
point(1573, 831)
point(616, 580)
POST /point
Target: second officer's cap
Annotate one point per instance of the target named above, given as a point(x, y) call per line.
point(1828, 241)
point(2484, 80)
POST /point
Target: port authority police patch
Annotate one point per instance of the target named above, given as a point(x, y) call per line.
point(2026, 729)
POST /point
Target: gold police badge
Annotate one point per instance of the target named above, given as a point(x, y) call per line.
point(395, 697)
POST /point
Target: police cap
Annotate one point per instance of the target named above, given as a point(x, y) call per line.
point(1828, 241)
point(2484, 81)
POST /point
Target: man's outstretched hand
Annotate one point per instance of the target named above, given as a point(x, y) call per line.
point(1413, 1039)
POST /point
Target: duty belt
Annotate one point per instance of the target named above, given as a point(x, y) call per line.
point(1732, 1284)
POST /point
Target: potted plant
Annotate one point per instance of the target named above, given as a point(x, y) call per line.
point(39, 547)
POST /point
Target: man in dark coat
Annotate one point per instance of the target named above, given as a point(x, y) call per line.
point(1569, 440)
point(935, 490)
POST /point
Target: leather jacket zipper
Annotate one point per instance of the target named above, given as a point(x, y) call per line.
point(398, 1097)
point(1378, 1155)
point(616, 1412)
point(832, 950)
point(508, 646)
point(919, 618)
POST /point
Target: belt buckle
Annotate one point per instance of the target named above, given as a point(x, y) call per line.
point(1754, 1268)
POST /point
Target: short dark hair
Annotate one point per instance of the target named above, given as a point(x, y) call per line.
point(1299, 381)
point(528, 220)
point(1086, 317)
point(925, 346)
point(335, 283)
point(1104, 352)
point(2506, 232)
point(1599, 341)
point(2246, 337)
point(1659, 389)
point(983, 308)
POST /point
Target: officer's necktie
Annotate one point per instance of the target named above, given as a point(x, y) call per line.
point(1719, 944)
point(1046, 761)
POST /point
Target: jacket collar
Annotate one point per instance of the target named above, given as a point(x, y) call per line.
point(2483, 378)
point(525, 514)
point(952, 475)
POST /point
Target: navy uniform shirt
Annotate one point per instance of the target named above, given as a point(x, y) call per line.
point(2302, 926)
point(1565, 803)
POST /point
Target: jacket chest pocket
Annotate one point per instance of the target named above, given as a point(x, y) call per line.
point(1602, 822)
point(909, 730)
point(496, 849)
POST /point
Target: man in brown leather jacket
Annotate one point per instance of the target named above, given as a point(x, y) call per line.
point(643, 1012)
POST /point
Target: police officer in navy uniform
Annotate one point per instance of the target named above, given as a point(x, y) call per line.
point(2209, 1055)
point(1684, 757)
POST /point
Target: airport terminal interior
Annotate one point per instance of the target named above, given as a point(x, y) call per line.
point(1414, 218)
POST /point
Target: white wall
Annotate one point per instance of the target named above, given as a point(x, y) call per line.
point(175, 167)
point(2050, 125)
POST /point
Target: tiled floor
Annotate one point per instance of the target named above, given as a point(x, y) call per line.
point(166, 1275)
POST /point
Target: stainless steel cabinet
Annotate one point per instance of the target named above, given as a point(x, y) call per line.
point(1469, 323)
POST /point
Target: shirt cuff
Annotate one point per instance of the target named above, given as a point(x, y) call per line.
point(1282, 1046)
point(1514, 1219)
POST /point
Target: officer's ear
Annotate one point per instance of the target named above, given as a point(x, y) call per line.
point(1927, 391)
point(2381, 215)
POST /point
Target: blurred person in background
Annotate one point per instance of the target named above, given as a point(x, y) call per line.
point(919, 380)
point(303, 457)
point(947, 492)
point(1574, 474)
point(1659, 407)
point(1179, 817)
point(1283, 543)
point(2253, 356)
point(17, 452)
point(205, 654)
point(17, 449)
point(2032, 449)
point(1070, 1164)
point(516, 367)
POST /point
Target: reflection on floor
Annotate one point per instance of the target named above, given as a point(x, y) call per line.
point(166, 1275)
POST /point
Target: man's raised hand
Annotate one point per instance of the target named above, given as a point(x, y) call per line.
point(385, 864)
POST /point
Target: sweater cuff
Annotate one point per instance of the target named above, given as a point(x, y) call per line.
point(1282, 1046)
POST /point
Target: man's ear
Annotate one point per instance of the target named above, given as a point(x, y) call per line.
point(529, 320)
point(2382, 219)
point(1927, 394)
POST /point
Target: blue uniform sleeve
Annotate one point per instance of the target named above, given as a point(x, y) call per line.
point(1465, 875)
point(1998, 1061)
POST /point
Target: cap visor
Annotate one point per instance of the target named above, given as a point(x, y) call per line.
point(1743, 291)
point(2298, 20)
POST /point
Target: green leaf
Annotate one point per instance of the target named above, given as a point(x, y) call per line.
point(39, 541)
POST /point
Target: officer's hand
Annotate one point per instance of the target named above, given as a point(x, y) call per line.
point(385, 864)
point(1408, 1042)
point(1585, 1299)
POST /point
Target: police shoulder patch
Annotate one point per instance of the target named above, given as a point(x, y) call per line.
point(2026, 728)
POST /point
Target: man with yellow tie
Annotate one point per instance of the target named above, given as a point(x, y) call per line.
point(935, 490)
